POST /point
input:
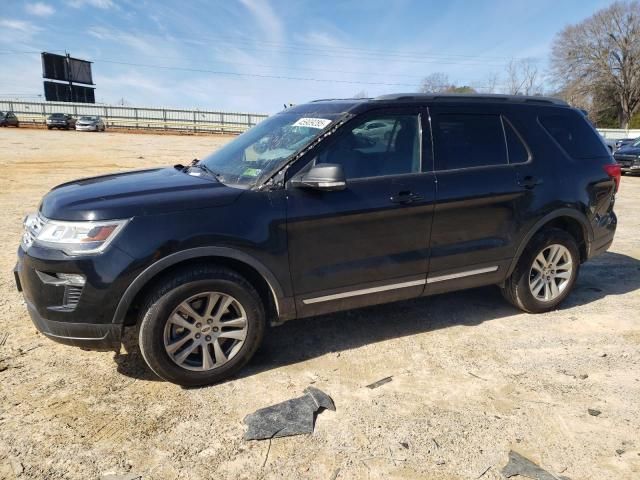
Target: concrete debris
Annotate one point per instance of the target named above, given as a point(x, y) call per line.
point(293, 417)
point(379, 383)
point(594, 412)
point(126, 476)
point(519, 465)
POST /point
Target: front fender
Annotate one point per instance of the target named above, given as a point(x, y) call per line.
point(284, 306)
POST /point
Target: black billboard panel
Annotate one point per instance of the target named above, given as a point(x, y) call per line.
point(55, 67)
point(80, 71)
point(62, 92)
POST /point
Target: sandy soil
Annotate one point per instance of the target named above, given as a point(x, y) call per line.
point(472, 377)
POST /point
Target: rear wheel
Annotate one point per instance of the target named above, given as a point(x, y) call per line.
point(201, 326)
point(545, 273)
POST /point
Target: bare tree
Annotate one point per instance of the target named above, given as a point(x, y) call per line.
point(602, 53)
point(437, 82)
point(523, 78)
point(491, 83)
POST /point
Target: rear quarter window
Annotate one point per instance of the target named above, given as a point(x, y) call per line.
point(574, 134)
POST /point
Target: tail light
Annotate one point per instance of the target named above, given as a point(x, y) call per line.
point(614, 172)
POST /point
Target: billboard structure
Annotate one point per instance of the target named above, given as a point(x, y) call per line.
point(60, 92)
point(64, 68)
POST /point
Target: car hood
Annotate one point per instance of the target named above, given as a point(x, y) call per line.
point(130, 194)
point(628, 151)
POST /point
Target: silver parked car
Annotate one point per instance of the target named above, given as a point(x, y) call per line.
point(91, 123)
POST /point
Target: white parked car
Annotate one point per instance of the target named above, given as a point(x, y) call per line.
point(91, 123)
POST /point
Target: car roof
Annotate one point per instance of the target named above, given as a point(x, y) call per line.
point(341, 104)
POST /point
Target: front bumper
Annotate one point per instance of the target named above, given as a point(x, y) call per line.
point(79, 316)
point(628, 163)
point(91, 336)
point(87, 128)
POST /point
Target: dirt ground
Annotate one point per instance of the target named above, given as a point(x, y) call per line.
point(473, 378)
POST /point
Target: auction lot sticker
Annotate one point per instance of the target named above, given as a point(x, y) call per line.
point(312, 123)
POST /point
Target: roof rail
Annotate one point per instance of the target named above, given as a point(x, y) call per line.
point(416, 97)
point(340, 100)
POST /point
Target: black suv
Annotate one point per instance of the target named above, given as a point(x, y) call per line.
point(9, 119)
point(628, 157)
point(61, 121)
point(315, 211)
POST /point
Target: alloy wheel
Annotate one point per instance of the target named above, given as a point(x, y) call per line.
point(550, 273)
point(205, 331)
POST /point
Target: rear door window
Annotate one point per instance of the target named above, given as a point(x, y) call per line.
point(468, 140)
point(517, 150)
point(574, 135)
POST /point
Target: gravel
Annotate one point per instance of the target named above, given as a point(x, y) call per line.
point(473, 378)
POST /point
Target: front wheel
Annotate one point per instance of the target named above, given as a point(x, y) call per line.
point(545, 273)
point(201, 326)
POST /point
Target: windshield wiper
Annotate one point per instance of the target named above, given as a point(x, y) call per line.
point(195, 163)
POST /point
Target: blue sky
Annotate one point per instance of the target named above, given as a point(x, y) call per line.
point(225, 54)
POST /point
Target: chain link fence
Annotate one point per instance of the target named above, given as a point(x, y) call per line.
point(137, 118)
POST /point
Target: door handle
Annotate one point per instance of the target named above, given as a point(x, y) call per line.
point(405, 197)
point(529, 181)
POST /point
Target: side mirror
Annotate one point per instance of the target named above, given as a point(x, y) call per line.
point(324, 176)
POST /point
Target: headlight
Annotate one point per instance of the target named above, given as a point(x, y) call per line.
point(73, 238)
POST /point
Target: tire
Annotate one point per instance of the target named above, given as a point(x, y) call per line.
point(520, 286)
point(49, 128)
point(158, 331)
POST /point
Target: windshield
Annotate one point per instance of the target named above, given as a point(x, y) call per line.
point(57, 115)
point(261, 150)
point(636, 142)
point(88, 119)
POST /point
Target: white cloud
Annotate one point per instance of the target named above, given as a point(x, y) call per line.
point(140, 43)
point(39, 9)
point(21, 26)
point(104, 4)
point(266, 17)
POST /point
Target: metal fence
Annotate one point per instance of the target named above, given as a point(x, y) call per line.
point(168, 119)
point(618, 133)
point(122, 117)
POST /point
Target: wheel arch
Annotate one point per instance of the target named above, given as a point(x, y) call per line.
point(572, 221)
point(276, 305)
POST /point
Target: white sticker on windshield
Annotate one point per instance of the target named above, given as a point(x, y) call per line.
point(312, 123)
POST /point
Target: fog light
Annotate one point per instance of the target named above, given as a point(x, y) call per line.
point(62, 279)
point(75, 279)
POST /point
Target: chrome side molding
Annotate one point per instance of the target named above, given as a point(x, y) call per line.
point(394, 286)
point(468, 273)
point(364, 291)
